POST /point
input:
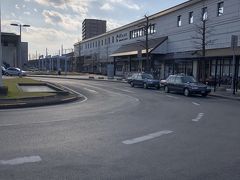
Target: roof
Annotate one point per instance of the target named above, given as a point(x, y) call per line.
point(154, 16)
point(134, 48)
point(10, 37)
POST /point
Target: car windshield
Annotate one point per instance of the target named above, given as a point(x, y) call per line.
point(188, 79)
point(147, 76)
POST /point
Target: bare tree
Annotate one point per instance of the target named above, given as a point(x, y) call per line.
point(201, 40)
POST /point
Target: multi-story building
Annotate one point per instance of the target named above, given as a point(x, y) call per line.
point(93, 27)
point(192, 38)
point(11, 47)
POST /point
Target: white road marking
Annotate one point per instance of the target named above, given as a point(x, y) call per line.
point(92, 91)
point(196, 104)
point(21, 160)
point(146, 137)
point(172, 97)
point(199, 116)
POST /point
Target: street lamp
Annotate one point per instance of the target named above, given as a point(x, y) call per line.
point(20, 30)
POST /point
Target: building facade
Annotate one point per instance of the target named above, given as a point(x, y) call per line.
point(11, 47)
point(194, 38)
point(93, 27)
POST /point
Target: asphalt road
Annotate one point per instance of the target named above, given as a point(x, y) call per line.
point(119, 132)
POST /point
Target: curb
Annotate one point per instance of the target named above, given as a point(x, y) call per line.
point(38, 104)
point(58, 98)
point(86, 79)
point(225, 97)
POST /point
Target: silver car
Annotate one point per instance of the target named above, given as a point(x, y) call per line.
point(11, 71)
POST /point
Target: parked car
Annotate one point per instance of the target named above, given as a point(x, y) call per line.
point(3, 70)
point(144, 80)
point(186, 85)
point(11, 71)
point(131, 77)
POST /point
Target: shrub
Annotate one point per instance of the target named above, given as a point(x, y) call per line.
point(3, 90)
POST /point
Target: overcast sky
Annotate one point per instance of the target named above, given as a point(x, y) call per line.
point(57, 22)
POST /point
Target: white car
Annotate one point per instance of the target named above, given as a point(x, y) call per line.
point(11, 71)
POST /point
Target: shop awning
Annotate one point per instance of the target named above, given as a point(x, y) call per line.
point(134, 48)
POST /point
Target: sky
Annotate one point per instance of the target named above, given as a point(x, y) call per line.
point(59, 22)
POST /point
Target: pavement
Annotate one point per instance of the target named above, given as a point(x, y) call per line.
point(119, 132)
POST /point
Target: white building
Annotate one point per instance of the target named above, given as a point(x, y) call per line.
point(174, 42)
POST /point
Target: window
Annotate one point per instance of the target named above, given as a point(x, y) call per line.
point(102, 42)
point(112, 39)
point(204, 13)
point(190, 18)
point(179, 22)
point(141, 31)
point(220, 8)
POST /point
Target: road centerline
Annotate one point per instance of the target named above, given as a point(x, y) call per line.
point(146, 137)
point(196, 104)
point(91, 90)
point(199, 117)
point(172, 97)
point(21, 160)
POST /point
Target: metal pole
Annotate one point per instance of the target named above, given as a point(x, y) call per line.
point(1, 82)
point(147, 54)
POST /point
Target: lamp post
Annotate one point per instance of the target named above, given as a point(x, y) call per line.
point(1, 83)
point(20, 30)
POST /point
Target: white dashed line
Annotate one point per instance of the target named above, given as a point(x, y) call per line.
point(199, 116)
point(21, 160)
point(196, 104)
point(92, 91)
point(146, 137)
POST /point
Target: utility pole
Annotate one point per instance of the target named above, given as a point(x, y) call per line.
point(1, 82)
point(147, 52)
point(234, 43)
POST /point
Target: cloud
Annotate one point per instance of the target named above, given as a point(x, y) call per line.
point(35, 10)
point(40, 38)
point(78, 6)
point(68, 22)
point(106, 6)
point(17, 6)
point(27, 13)
point(127, 3)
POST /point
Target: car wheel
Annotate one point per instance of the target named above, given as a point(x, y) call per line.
point(132, 84)
point(166, 89)
point(204, 94)
point(145, 86)
point(186, 92)
point(6, 74)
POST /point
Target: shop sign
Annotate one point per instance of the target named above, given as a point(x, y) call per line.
point(122, 37)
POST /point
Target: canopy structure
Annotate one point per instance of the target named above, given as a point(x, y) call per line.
point(138, 47)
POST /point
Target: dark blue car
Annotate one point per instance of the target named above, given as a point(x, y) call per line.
point(144, 80)
point(186, 85)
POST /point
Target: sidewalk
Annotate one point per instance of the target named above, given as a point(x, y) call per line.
point(228, 94)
